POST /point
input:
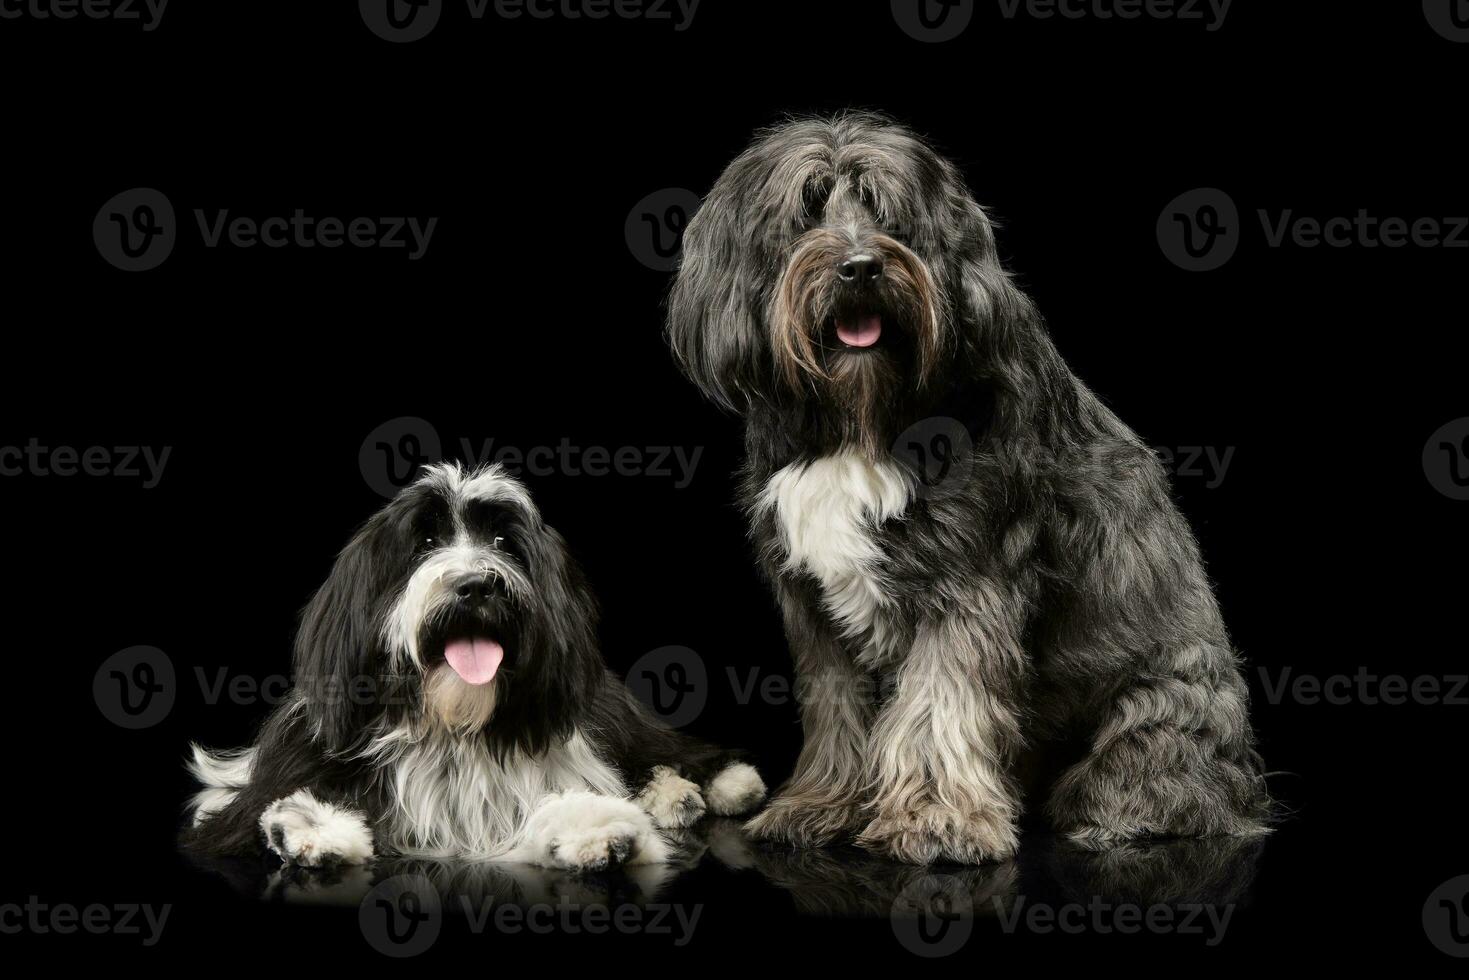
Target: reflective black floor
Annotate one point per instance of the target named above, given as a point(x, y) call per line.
point(842, 881)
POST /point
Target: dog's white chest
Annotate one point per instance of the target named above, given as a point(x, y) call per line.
point(827, 512)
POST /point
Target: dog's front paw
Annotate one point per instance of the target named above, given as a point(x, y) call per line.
point(805, 821)
point(583, 831)
point(671, 800)
point(935, 833)
point(304, 831)
point(736, 789)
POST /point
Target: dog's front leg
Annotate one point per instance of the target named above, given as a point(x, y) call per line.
point(306, 831)
point(585, 831)
point(940, 751)
point(823, 799)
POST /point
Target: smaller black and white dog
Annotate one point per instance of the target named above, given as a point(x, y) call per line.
point(450, 702)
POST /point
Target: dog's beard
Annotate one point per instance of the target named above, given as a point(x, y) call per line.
point(456, 706)
point(862, 387)
point(459, 651)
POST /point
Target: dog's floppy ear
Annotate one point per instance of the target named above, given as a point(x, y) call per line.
point(1002, 337)
point(715, 310)
point(340, 657)
point(558, 667)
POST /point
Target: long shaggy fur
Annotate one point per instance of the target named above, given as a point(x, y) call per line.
point(1052, 590)
point(383, 747)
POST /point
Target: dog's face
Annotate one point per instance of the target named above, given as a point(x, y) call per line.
point(456, 609)
point(841, 262)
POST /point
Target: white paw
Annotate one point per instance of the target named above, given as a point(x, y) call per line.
point(582, 831)
point(305, 831)
point(671, 800)
point(736, 789)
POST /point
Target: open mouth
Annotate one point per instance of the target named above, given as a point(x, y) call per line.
point(476, 659)
point(859, 331)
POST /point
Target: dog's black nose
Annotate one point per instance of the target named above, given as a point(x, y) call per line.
point(471, 589)
point(860, 269)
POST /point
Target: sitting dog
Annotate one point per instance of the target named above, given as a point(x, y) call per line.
point(450, 701)
point(840, 289)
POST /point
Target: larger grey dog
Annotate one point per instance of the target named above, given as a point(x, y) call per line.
point(838, 286)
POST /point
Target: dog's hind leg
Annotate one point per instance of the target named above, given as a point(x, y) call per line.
point(1173, 756)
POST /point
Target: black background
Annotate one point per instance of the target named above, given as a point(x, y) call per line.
point(529, 321)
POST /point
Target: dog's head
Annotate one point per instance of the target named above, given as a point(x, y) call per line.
point(838, 262)
point(456, 610)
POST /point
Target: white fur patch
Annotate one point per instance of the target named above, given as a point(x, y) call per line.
point(451, 798)
point(827, 511)
point(671, 800)
point(462, 709)
point(304, 830)
point(735, 790)
point(582, 831)
point(222, 775)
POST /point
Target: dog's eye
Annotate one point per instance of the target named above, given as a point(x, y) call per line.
point(430, 528)
point(815, 195)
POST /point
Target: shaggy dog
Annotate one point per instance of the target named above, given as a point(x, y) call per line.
point(450, 702)
point(839, 288)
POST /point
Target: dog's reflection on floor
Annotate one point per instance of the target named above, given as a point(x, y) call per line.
point(468, 885)
point(849, 882)
point(821, 882)
point(846, 881)
point(1216, 871)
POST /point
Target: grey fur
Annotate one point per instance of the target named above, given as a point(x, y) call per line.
point(1056, 591)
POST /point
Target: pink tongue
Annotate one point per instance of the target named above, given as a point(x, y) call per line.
point(475, 660)
point(863, 333)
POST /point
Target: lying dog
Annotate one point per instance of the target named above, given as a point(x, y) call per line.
point(450, 701)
